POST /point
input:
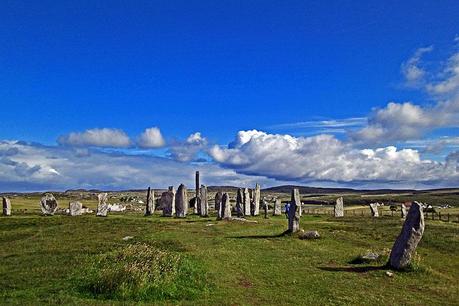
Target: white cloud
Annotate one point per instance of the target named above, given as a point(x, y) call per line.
point(151, 138)
point(33, 167)
point(325, 158)
point(187, 150)
point(411, 69)
point(105, 137)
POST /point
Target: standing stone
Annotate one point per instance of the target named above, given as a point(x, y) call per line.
point(239, 203)
point(256, 200)
point(406, 243)
point(167, 202)
point(374, 209)
point(150, 204)
point(6, 206)
point(48, 204)
point(75, 208)
point(204, 204)
point(339, 207)
point(102, 208)
point(277, 211)
point(294, 212)
point(218, 201)
point(403, 210)
point(225, 208)
point(181, 202)
point(265, 208)
point(246, 202)
point(197, 204)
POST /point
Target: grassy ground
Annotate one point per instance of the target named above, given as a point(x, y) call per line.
point(245, 263)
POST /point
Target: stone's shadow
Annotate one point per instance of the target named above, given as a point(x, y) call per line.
point(258, 236)
point(362, 269)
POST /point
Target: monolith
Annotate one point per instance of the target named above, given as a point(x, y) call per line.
point(406, 243)
point(167, 202)
point(255, 205)
point(75, 208)
point(103, 206)
point(181, 202)
point(6, 206)
point(339, 207)
point(204, 204)
point(294, 212)
point(48, 204)
point(246, 202)
point(150, 203)
point(374, 209)
point(277, 211)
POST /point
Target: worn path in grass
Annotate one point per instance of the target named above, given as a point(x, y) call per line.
point(246, 263)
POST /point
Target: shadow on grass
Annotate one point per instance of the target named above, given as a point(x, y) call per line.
point(259, 236)
point(362, 269)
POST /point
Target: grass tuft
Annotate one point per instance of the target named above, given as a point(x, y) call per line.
point(142, 272)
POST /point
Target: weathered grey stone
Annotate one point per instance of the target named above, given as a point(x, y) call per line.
point(103, 206)
point(204, 204)
point(265, 208)
point(6, 206)
point(255, 204)
point(197, 203)
point(181, 202)
point(406, 243)
point(339, 207)
point(277, 211)
point(75, 208)
point(167, 202)
point(294, 212)
point(48, 204)
point(225, 208)
point(239, 203)
point(309, 235)
point(403, 210)
point(150, 203)
point(246, 202)
point(374, 209)
point(218, 202)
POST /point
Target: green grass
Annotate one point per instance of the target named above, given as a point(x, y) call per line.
point(42, 260)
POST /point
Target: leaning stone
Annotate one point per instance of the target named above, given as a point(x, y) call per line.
point(255, 205)
point(218, 201)
point(339, 207)
point(167, 202)
point(374, 209)
point(48, 204)
point(309, 235)
point(277, 211)
point(204, 204)
point(406, 243)
point(294, 212)
point(75, 208)
point(6, 206)
point(246, 202)
point(181, 202)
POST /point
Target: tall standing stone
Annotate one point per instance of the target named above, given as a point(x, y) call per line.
point(277, 211)
point(265, 208)
point(6, 206)
point(197, 204)
point(339, 207)
point(403, 211)
point(204, 204)
point(225, 208)
point(150, 203)
point(239, 203)
point(102, 207)
point(181, 202)
point(255, 209)
point(75, 208)
point(48, 204)
point(374, 209)
point(167, 202)
point(406, 243)
point(294, 212)
point(246, 202)
point(218, 201)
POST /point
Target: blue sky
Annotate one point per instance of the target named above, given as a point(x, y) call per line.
point(300, 69)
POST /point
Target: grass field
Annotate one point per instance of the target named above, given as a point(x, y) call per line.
point(240, 263)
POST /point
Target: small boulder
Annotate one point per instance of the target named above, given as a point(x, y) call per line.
point(309, 235)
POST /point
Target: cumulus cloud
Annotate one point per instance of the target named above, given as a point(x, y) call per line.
point(105, 137)
point(31, 167)
point(187, 150)
point(325, 158)
point(151, 138)
point(411, 69)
